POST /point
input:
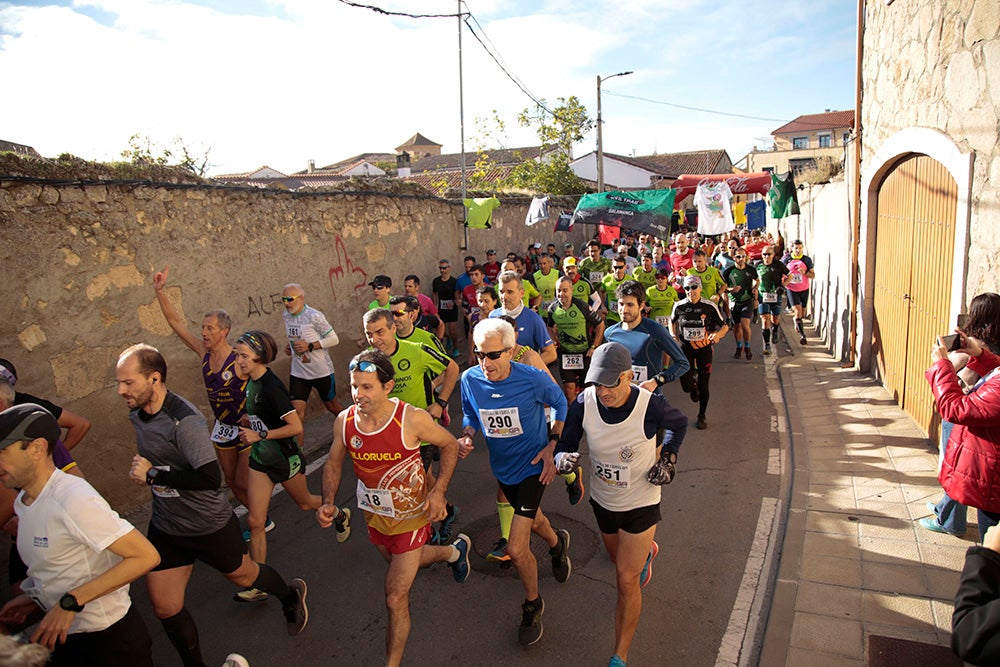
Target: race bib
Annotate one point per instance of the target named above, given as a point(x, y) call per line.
point(501, 423)
point(164, 491)
point(293, 332)
point(796, 278)
point(613, 475)
point(376, 501)
point(256, 424)
point(596, 276)
point(613, 305)
point(446, 304)
point(693, 333)
point(224, 432)
point(769, 297)
point(663, 320)
point(638, 374)
point(572, 362)
point(547, 304)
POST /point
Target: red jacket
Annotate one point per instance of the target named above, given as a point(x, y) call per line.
point(970, 472)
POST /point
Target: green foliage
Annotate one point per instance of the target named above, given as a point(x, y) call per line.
point(142, 151)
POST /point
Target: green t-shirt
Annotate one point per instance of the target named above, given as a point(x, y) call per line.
point(661, 304)
point(770, 276)
point(571, 324)
point(546, 285)
point(711, 280)
point(745, 278)
point(423, 337)
point(646, 278)
point(595, 271)
point(582, 289)
point(375, 304)
point(610, 284)
point(416, 367)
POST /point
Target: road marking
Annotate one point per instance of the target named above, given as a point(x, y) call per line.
point(776, 396)
point(777, 424)
point(774, 461)
point(742, 628)
point(240, 511)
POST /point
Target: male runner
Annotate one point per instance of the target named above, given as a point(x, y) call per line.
point(191, 517)
point(647, 341)
point(81, 555)
point(712, 285)
point(491, 267)
point(382, 436)
point(645, 274)
point(800, 272)
point(578, 332)
point(506, 400)
point(582, 289)
point(411, 287)
point(545, 280)
point(594, 267)
point(381, 286)
point(609, 288)
point(444, 288)
point(772, 277)
point(76, 426)
point(628, 466)
point(742, 281)
point(699, 325)
point(681, 259)
point(661, 297)
point(406, 313)
point(469, 304)
point(309, 335)
point(531, 329)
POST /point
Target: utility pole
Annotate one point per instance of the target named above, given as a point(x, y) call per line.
point(600, 142)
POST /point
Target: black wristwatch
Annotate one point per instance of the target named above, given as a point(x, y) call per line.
point(151, 476)
point(660, 380)
point(440, 401)
point(310, 347)
point(263, 434)
point(69, 603)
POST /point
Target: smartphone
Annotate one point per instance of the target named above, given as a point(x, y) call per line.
point(951, 342)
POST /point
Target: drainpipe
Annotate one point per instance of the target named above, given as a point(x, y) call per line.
point(856, 231)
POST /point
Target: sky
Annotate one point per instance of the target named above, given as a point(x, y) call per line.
point(282, 82)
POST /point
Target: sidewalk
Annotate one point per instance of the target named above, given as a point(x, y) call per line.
point(857, 573)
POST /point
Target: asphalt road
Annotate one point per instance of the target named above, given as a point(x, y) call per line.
point(710, 516)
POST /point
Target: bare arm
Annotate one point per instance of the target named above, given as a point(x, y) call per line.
point(174, 318)
point(425, 429)
point(332, 470)
point(548, 353)
point(291, 429)
point(76, 428)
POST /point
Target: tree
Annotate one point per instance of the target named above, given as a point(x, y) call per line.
point(141, 150)
point(557, 130)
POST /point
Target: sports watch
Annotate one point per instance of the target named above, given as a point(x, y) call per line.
point(69, 603)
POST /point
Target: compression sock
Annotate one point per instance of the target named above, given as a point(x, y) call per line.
point(739, 344)
point(269, 581)
point(767, 336)
point(183, 634)
point(506, 512)
point(798, 325)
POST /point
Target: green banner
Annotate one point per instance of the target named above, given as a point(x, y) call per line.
point(643, 210)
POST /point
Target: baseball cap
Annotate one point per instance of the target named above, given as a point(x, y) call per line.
point(537, 245)
point(381, 281)
point(665, 272)
point(569, 261)
point(608, 362)
point(491, 251)
point(692, 281)
point(26, 422)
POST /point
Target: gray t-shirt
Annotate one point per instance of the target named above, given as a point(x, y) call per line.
point(176, 438)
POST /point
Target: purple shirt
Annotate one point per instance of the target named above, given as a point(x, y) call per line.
point(227, 393)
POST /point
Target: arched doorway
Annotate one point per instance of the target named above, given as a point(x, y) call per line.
point(914, 265)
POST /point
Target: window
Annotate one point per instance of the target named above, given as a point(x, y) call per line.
point(800, 142)
point(798, 166)
point(769, 170)
point(825, 140)
point(847, 138)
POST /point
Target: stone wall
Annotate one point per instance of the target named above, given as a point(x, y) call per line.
point(78, 261)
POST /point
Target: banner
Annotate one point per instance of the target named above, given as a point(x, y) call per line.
point(782, 196)
point(564, 223)
point(739, 184)
point(643, 211)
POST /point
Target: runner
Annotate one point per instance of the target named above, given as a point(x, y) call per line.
point(383, 436)
point(661, 297)
point(742, 281)
point(800, 272)
point(582, 289)
point(381, 286)
point(609, 288)
point(628, 466)
point(446, 295)
point(506, 400)
point(645, 274)
point(191, 517)
point(594, 267)
point(545, 280)
point(699, 325)
point(405, 312)
point(772, 277)
point(531, 329)
point(577, 331)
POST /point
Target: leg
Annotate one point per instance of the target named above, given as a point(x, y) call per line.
point(519, 550)
point(166, 592)
point(259, 493)
point(230, 460)
point(631, 552)
point(299, 492)
point(398, 581)
point(300, 410)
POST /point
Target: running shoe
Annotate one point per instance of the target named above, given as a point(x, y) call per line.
point(530, 630)
point(442, 534)
point(931, 524)
point(695, 394)
point(802, 341)
point(498, 554)
point(575, 488)
point(561, 564)
point(748, 354)
point(268, 527)
point(250, 595)
point(460, 568)
point(235, 660)
point(767, 350)
point(775, 331)
point(297, 615)
point(616, 661)
point(739, 353)
point(343, 525)
point(647, 570)
point(700, 424)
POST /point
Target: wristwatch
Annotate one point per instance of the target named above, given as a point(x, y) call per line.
point(310, 347)
point(69, 603)
point(263, 434)
point(151, 476)
point(440, 401)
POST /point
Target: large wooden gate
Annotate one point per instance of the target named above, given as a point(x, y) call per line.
point(915, 238)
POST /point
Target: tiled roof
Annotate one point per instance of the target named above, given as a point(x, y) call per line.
point(20, 149)
point(351, 161)
point(243, 176)
point(500, 156)
point(830, 120)
point(672, 165)
point(433, 181)
point(417, 140)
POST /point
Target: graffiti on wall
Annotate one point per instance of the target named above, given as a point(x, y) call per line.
point(258, 306)
point(345, 278)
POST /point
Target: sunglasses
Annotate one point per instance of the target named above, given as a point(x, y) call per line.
point(609, 386)
point(399, 313)
point(691, 288)
point(363, 366)
point(443, 268)
point(289, 299)
point(493, 356)
point(767, 254)
point(740, 257)
point(374, 287)
point(619, 267)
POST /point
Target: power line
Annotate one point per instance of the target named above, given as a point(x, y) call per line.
point(681, 106)
point(386, 12)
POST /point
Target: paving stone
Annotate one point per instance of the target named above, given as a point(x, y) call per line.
point(828, 635)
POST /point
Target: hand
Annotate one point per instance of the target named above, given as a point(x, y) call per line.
point(590, 352)
point(435, 506)
point(53, 628)
point(548, 467)
point(160, 278)
point(325, 514)
point(698, 344)
point(969, 345)
point(566, 462)
point(649, 385)
point(18, 610)
point(288, 350)
point(465, 446)
point(140, 466)
point(664, 470)
point(300, 346)
point(435, 410)
point(248, 436)
point(244, 420)
point(938, 351)
point(992, 538)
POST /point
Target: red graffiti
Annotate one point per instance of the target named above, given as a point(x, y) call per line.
point(344, 273)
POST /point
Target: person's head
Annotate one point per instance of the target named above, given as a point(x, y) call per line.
point(570, 268)
point(545, 263)
point(569, 250)
point(444, 268)
point(740, 256)
point(469, 262)
point(411, 285)
point(662, 278)
point(28, 433)
point(511, 256)
point(511, 290)
point(657, 252)
point(631, 298)
point(494, 347)
point(372, 379)
point(534, 248)
point(798, 250)
point(509, 265)
point(630, 240)
point(647, 261)
point(594, 250)
point(550, 250)
point(476, 274)
point(486, 298)
point(380, 330)
point(700, 260)
point(141, 373)
point(681, 241)
point(519, 266)
point(618, 266)
point(215, 327)
point(405, 310)
point(293, 298)
point(491, 255)
point(692, 288)
point(255, 349)
point(8, 372)
point(731, 246)
point(564, 290)
point(611, 374)
point(767, 254)
point(983, 322)
point(381, 284)
point(622, 249)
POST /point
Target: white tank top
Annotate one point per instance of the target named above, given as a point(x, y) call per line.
point(620, 456)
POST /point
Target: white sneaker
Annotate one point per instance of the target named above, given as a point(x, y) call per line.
point(250, 595)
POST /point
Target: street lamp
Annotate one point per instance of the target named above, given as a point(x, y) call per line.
point(600, 143)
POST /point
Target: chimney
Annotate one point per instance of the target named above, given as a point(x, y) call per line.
point(403, 164)
point(312, 167)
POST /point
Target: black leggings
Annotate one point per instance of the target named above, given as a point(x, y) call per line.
point(701, 371)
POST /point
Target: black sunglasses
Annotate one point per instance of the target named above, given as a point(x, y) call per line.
point(490, 355)
point(610, 386)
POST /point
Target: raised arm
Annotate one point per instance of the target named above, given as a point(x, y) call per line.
point(174, 318)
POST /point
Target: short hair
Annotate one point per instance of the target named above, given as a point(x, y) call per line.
point(411, 302)
point(222, 317)
point(700, 252)
point(7, 394)
point(594, 242)
point(649, 255)
point(294, 286)
point(509, 277)
point(413, 277)
point(493, 326)
point(469, 257)
point(631, 288)
point(544, 255)
point(444, 261)
point(477, 267)
point(796, 241)
point(378, 313)
point(488, 289)
point(620, 258)
point(260, 343)
point(149, 358)
point(383, 364)
point(564, 279)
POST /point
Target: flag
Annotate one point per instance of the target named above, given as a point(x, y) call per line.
point(782, 196)
point(564, 223)
point(608, 234)
point(538, 210)
point(644, 210)
point(480, 212)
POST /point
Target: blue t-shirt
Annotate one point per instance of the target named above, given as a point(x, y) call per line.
point(511, 415)
point(647, 343)
point(531, 329)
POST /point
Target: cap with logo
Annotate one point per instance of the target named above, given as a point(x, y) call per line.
point(608, 362)
point(381, 281)
point(26, 422)
point(569, 261)
point(692, 281)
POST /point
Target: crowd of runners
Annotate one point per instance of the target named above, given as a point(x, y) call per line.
point(557, 346)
